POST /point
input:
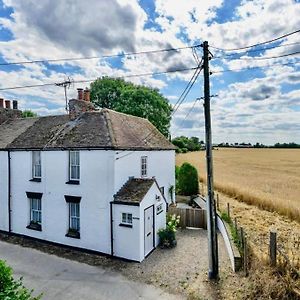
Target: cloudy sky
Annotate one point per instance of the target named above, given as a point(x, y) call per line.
point(254, 105)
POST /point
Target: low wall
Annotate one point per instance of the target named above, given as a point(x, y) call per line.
point(233, 252)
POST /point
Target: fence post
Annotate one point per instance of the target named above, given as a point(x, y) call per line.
point(218, 203)
point(235, 225)
point(273, 248)
point(228, 210)
point(242, 237)
point(245, 256)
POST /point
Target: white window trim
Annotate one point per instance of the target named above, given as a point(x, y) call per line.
point(34, 165)
point(38, 211)
point(128, 221)
point(74, 165)
point(75, 217)
point(144, 166)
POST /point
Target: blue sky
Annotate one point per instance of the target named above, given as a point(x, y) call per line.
point(259, 105)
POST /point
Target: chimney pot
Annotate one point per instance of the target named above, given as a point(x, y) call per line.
point(15, 104)
point(86, 95)
point(80, 94)
point(1, 102)
point(7, 104)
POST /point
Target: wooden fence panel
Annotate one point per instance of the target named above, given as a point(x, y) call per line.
point(190, 217)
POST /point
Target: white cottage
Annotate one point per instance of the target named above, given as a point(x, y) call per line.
point(94, 180)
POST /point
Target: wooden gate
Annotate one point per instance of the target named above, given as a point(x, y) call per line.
point(190, 217)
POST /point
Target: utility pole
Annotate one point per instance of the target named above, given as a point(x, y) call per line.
point(213, 271)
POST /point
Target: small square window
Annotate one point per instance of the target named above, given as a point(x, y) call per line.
point(159, 209)
point(126, 218)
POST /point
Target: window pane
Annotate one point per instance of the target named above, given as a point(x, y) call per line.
point(129, 218)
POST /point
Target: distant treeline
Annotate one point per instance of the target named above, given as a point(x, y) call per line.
point(185, 144)
point(258, 145)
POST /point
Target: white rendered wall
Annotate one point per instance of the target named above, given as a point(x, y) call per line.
point(126, 239)
point(161, 164)
point(3, 191)
point(96, 189)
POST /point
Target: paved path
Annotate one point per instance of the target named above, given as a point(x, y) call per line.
point(59, 278)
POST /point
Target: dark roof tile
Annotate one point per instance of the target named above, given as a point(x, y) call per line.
point(134, 190)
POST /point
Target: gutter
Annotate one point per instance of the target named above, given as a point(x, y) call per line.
point(9, 190)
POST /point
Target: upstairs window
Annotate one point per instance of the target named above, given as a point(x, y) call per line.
point(144, 166)
point(36, 165)
point(74, 166)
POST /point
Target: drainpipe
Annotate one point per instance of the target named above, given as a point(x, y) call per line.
point(9, 190)
point(111, 230)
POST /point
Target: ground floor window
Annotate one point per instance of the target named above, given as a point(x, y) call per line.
point(127, 218)
point(74, 220)
point(159, 208)
point(35, 221)
point(73, 203)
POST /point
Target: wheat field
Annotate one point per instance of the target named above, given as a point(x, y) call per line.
point(267, 178)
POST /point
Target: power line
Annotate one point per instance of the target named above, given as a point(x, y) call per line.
point(257, 50)
point(97, 57)
point(258, 44)
point(90, 80)
point(190, 85)
point(263, 58)
point(186, 91)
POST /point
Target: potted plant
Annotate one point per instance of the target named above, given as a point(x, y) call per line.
point(167, 236)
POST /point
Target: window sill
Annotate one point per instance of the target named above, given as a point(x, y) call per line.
point(125, 225)
point(76, 182)
point(36, 180)
point(73, 234)
point(34, 226)
point(159, 212)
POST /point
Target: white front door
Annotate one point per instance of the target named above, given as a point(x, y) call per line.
point(149, 229)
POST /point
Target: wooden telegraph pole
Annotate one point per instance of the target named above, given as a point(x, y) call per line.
point(213, 272)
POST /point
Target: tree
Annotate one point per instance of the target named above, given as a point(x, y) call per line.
point(132, 99)
point(188, 180)
point(28, 114)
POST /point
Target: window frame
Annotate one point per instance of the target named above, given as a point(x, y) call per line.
point(33, 162)
point(159, 208)
point(73, 179)
point(75, 216)
point(128, 220)
point(144, 166)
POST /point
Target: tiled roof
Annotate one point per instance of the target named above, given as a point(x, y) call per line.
point(134, 190)
point(105, 129)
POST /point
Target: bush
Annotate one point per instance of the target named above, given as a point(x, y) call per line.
point(11, 289)
point(167, 236)
point(188, 180)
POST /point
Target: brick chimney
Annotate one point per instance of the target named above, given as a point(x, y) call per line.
point(81, 104)
point(6, 112)
point(87, 95)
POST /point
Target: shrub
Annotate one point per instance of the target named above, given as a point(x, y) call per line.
point(11, 289)
point(167, 236)
point(188, 180)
